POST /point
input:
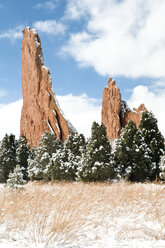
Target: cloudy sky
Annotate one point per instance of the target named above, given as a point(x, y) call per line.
point(84, 43)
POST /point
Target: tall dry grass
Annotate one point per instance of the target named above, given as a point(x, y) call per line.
point(64, 213)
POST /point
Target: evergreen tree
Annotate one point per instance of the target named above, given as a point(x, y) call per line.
point(38, 167)
point(23, 153)
point(64, 162)
point(8, 159)
point(154, 140)
point(75, 143)
point(132, 156)
point(95, 164)
point(16, 178)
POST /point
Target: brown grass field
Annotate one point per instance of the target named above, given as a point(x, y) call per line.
point(83, 215)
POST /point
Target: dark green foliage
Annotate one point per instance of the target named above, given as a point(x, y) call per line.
point(154, 140)
point(75, 143)
point(132, 156)
point(23, 153)
point(95, 164)
point(8, 159)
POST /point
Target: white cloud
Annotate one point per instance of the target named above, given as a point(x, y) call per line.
point(153, 100)
point(50, 27)
point(10, 118)
point(49, 5)
point(123, 38)
point(80, 110)
point(12, 34)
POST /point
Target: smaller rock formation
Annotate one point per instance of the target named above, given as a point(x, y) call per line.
point(40, 111)
point(115, 112)
point(134, 115)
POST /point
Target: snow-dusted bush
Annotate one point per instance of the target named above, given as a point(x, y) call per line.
point(16, 177)
point(162, 168)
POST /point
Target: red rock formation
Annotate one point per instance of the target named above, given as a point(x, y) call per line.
point(40, 111)
point(115, 112)
point(134, 115)
point(111, 108)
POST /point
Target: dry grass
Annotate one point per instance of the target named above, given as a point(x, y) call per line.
point(78, 213)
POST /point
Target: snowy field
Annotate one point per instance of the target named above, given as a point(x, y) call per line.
point(73, 215)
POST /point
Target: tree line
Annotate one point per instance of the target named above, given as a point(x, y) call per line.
point(138, 156)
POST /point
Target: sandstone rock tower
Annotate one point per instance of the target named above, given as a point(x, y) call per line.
point(40, 111)
point(115, 112)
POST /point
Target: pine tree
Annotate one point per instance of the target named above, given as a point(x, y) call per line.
point(132, 156)
point(38, 167)
point(8, 159)
point(154, 140)
point(16, 178)
point(23, 153)
point(95, 164)
point(64, 162)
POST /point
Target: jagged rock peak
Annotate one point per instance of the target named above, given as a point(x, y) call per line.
point(41, 111)
point(111, 107)
point(115, 112)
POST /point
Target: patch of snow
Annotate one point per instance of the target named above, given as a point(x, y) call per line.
point(113, 144)
point(58, 128)
point(71, 127)
point(54, 112)
point(37, 44)
point(46, 68)
point(124, 108)
point(48, 93)
point(41, 59)
point(34, 31)
point(51, 129)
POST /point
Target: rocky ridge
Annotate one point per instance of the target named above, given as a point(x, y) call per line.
point(41, 111)
point(115, 112)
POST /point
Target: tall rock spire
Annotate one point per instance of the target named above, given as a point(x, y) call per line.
point(40, 111)
point(115, 112)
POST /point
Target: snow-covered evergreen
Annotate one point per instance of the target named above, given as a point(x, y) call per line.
point(8, 158)
point(23, 153)
point(132, 155)
point(38, 166)
point(154, 140)
point(64, 162)
point(16, 177)
point(96, 164)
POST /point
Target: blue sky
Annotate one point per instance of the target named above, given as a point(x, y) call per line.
point(85, 42)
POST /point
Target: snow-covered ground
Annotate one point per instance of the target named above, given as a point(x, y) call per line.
point(72, 215)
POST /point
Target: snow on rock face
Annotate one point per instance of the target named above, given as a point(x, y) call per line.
point(39, 102)
point(115, 112)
